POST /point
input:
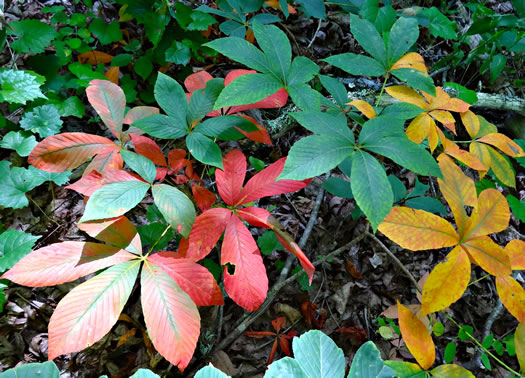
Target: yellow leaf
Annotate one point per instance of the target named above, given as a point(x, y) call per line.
point(364, 107)
point(452, 274)
point(481, 152)
point(516, 251)
point(410, 60)
point(418, 230)
point(457, 105)
point(458, 190)
point(504, 143)
point(490, 216)
point(501, 168)
point(419, 128)
point(519, 344)
point(471, 123)
point(512, 296)
point(442, 116)
point(451, 370)
point(433, 137)
point(405, 94)
point(416, 336)
point(485, 127)
point(488, 255)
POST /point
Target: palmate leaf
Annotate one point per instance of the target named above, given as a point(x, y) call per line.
point(231, 178)
point(23, 145)
point(89, 311)
point(403, 35)
point(119, 232)
point(454, 274)
point(192, 278)
point(490, 216)
point(143, 166)
point(204, 149)
point(19, 86)
point(171, 317)
point(109, 101)
point(64, 262)
point(206, 231)
point(416, 337)
point(43, 120)
point(512, 296)
point(93, 181)
point(175, 206)
point(171, 98)
point(488, 255)
point(248, 284)
point(516, 251)
point(13, 246)
point(59, 153)
point(241, 51)
point(276, 48)
point(33, 36)
point(368, 37)
point(356, 64)
point(148, 148)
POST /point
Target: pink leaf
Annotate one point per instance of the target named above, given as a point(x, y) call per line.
point(109, 101)
point(206, 231)
point(148, 148)
point(197, 81)
point(119, 232)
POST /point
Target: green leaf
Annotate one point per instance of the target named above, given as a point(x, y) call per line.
point(357, 64)
point(210, 372)
point(223, 127)
point(398, 188)
point(314, 155)
point(439, 25)
point(488, 340)
point(406, 369)
point(19, 86)
point(13, 246)
point(14, 184)
point(114, 199)
point(140, 164)
point(276, 47)
point(171, 98)
point(268, 242)
point(233, 28)
point(59, 178)
point(335, 88)
point(338, 187)
point(23, 145)
point(46, 369)
point(150, 233)
point(325, 124)
point(121, 60)
point(367, 363)
point(257, 164)
point(105, 33)
point(517, 207)
point(285, 367)
point(463, 93)
point(438, 328)
point(429, 204)
point(386, 16)
point(380, 127)
point(402, 110)
point(201, 21)
point(178, 53)
point(462, 333)
point(33, 36)
point(305, 97)
point(371, 188)
point(71, 106)
point(318, 355)
point(247, 89)
point(302, 70)
point(85, 73)
point(416, 79)
point(43, 120)
point(176, 208)
point(366, 34)
point(241, 51)
point(143, 66)
point(202, 100)
point(497, 64)
point(403, 35)
point(161, 126)
point(486, 362)
point(407, 154)
point(204, 149)
point(144, 373)
point(313, 8)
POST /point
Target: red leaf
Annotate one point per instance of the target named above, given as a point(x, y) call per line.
point(279, 323)
point(171, 317)
point(229, 181)
point(119, 232)
point(177, 159)
point(197, 81)
point(93, 181)
point(64, 262)
point(262, 218)
point(264, 184)
point(107, 158)
point(109, 101)
point(272, 352)
point(259, 136)
point(89, 311)
point(193, 278)
point(139, 112)
point(61, 152)
point(206, 231)
point(148, 148)
point(285, 345)
point(259, 334)
point(204, 198)
point(248, 285)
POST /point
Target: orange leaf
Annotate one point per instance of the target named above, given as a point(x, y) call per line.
point(405, 94)
point(452, 149)
point(488, 255)
point(410, 60)
point(95, 57)
point(471, 123)
point(442, 116)
point(440, 101)
point(490, 216)
point(107, 158)
point(364, 107)
point(452, 274)
point(418, 230)
point(481, 152)
point(420, 127)
point(516, 251)
point(112, 74)
point(458, 190)
point(416, 336)
point(504, 143)
point(512, 296)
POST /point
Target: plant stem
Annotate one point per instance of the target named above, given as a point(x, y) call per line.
point(480, 345)
point(43, 212)
point(158, 240)
point(382, 88)
point(479, 279)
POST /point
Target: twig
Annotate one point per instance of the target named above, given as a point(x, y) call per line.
point(315, 35)
point(395, 259)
